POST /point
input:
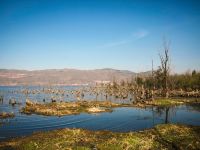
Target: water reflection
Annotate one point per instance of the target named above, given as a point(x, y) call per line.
point(163, 111)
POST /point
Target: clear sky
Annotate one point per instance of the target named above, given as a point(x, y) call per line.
point(92, 34)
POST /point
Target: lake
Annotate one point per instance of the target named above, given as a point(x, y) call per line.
point(122, 119)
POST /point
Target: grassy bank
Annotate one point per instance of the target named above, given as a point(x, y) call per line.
point(165, 136)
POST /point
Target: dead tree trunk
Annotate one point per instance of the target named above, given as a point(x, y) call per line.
point(165, 67)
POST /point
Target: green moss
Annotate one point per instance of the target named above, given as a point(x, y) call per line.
point(165, 136)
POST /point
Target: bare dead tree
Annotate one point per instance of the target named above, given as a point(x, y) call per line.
point(165, 66)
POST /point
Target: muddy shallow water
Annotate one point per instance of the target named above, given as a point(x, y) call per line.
point(120, 120)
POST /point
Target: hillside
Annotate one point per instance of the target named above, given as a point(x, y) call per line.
point(63, 76)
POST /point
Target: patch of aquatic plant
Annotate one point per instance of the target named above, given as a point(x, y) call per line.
point(165, 136)
point(4, 115)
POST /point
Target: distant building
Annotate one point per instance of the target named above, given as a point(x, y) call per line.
point(97, 82)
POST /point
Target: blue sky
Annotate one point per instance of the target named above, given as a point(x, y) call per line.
point(92, 34)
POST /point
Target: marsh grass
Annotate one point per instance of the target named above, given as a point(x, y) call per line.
point(165, 136)
point(68, 108)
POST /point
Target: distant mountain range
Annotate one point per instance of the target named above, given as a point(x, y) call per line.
point(64, 76)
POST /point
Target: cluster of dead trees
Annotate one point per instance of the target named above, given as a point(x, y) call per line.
point(159, 83)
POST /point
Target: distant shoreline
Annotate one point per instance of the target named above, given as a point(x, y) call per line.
point(64, 77)
point(46, 85)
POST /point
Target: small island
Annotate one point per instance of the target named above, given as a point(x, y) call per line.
point(68, 108)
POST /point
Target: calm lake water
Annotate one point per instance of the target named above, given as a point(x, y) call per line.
point(120, 120)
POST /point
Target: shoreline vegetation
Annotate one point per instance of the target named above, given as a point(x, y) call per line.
point(77, 107)
point(163, 136)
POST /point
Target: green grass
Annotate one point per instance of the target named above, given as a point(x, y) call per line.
point(165, 136)
point(173, 101)
point(167, 102)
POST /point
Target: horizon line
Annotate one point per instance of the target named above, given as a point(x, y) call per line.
point(106, 68)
